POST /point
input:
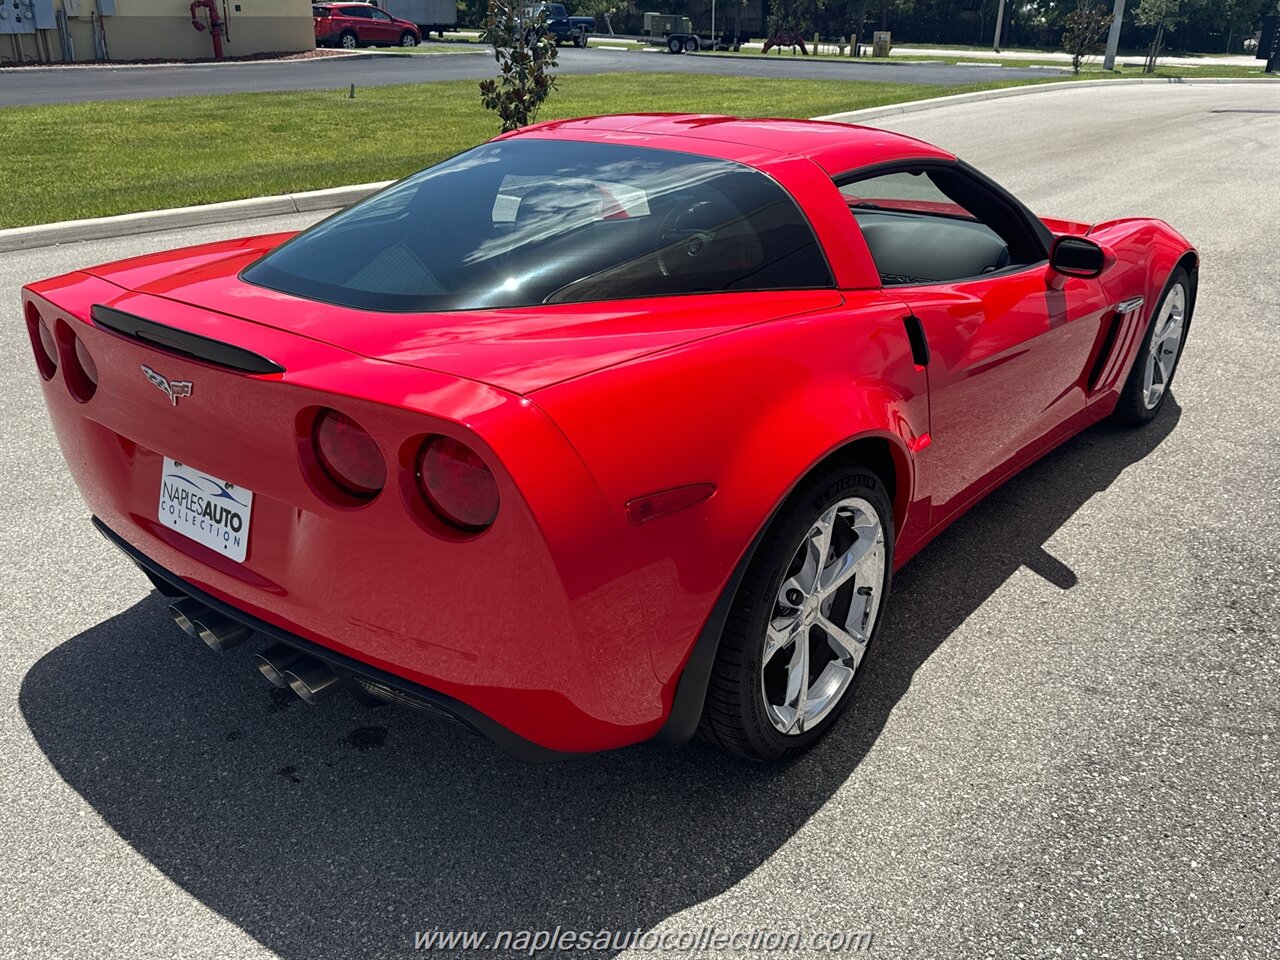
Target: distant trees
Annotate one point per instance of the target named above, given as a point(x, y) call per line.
point(596, 8)
point(1200, 25)
point(1236, 18)
point(792, 19)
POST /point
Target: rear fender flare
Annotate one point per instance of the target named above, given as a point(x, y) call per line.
point(691, 685)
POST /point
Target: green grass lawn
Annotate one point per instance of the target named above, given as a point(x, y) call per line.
point(98, 159)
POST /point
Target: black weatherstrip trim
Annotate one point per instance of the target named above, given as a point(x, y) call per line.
point(511, 742)
point(182, 343)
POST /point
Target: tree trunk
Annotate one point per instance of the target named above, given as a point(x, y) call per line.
point(1154, 54)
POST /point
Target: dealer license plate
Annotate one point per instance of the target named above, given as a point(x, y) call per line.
point(210, 511)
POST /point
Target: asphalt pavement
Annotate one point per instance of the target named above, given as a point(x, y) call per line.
point(1065, 744)
point(81, 84)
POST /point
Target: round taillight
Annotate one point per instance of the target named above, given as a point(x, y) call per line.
point(81, 371)
point(348, 455)
point(85, 361)
point(42, 341)
point(457, 484)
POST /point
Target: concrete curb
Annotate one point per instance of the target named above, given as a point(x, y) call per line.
point(102, 228)
point(915, 106)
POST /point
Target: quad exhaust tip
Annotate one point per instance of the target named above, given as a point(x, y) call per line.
point(307, 676)
point(284, 666)
point(311, 679)
point(218, 631)
point(183, 611)
point(274, 661)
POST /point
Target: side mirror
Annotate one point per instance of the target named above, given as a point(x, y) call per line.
point(1077, 257)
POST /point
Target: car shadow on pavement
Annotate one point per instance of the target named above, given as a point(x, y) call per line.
point(338, 831)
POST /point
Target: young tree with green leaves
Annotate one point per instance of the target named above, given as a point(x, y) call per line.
point(526, 55)
point(1164, 15)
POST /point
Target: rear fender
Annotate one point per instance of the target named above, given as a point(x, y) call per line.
point(554, 673)
point(752, 412)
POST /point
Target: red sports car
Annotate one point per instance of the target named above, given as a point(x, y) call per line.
point(607, 430)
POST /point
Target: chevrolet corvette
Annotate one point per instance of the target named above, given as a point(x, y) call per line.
point(607, 430)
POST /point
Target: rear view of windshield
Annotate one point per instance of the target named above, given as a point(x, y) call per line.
point(518, 223)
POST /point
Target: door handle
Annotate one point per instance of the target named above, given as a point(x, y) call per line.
point(916, 337)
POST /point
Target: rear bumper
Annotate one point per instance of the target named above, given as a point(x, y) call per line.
point(535, 625)
point(172, 585)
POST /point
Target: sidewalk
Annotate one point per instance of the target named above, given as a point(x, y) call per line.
point(1054, 56)
point(1236, 60)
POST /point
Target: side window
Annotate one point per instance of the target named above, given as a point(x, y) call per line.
point(379, 15)
point(358, 12)
point(937, 224)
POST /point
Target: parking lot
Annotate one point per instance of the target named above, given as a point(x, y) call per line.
point(1064, 745)
point(81, 84)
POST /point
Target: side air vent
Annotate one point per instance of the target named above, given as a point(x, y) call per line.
point(1104, 352)
point(182, 343)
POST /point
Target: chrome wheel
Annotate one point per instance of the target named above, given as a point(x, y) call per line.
point(1166, 339)
point(823, 616)
point(408, 40)
point(349, 41)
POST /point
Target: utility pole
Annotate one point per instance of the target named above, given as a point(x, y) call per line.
point(1113, 38)
point(1273, 58)
point(995, 44)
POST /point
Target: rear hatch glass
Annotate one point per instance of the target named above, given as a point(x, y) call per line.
point(524, 222)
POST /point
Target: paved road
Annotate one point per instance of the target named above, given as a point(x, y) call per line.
point(76, 85)
point(1066, 744)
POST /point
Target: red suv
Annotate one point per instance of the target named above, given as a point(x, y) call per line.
point(350, 25)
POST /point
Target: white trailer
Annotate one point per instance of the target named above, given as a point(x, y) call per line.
point(431, 16)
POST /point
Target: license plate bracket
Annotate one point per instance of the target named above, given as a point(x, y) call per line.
point(205, 508)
